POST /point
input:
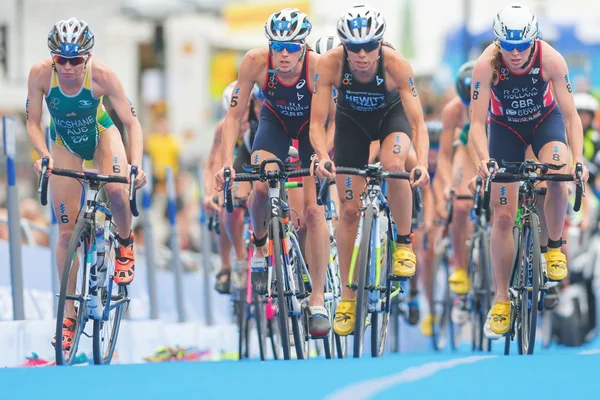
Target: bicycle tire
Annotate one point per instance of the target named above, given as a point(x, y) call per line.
point(442, 331)
point(83, 230)
point(476, 277)
point(240, 312)
point(379, 336)
point(274, 337)
point(363, 274)
point(282, 308)
point(259, 321)
point(101, 357)
point(487, 283)
point(529, 303)
point(514, 300)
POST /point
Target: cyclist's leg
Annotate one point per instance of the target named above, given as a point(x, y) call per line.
point(296, 203)
point(462, 170)
point(271, 141)
point(503, 145)
point(413, 304)
point(351, 150)
point(234, 222)
point(427, 253)
point(549, 145)
point(395, 145)
point(317, 241)
point(66, 201)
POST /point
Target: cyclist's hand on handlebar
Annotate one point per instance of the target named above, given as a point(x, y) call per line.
point(322, 171)
point(210, 205)
point(472, 185)
point(140, 179)
point(585, 174)
point(37, 165)
point(220, 178)
point(483, 171)
point(423, 179)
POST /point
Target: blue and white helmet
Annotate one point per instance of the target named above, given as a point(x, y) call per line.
point(516, 24)
point(228, 92)
point(71, 38)
point(326, 43)
point(287, 25)
point(361, 24)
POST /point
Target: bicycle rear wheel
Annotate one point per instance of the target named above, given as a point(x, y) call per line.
point(106, 332)
point(529, 277)
point(260, 324)
point(441, 301)
point(84, 234)
point(363, 279)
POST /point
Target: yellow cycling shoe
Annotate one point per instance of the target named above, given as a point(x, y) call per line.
point(405, 262)
point(427, 324)
point(557, 264)
point(459, 281)
point(343, 322)
point(500, 322)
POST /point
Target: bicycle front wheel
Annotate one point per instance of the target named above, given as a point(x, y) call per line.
point(363, 279)
point(71, 301)
point(282, 307)
point(529, 278)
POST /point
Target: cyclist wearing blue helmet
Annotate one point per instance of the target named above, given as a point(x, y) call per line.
point(82, 130)
point(512, 82)
point(285, 73)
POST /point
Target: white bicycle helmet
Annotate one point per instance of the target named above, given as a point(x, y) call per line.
point(71, 38)
point(361, 24)
point(228, 92)
point(585, 102)
point(516, 24)
point(287, 25)
point(326, 43)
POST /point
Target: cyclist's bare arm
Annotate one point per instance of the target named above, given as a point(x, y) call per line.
point(253, 65)
point(480, 100)
point(555, 68)
point(33, 108)
point(326, 71)
point(111, 85)
point(402, 76)
point(452, 116)
point(331, 126)
point(213, 162)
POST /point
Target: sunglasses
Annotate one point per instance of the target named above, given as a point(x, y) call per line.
point(357, 47)
point(290, 47)
point(73, 60)
point(511, 46)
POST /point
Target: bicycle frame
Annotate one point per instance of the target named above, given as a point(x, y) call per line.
point(374, 198)
point(91, 267)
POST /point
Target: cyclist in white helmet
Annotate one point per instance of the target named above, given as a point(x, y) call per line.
point(377, 101)
point(82, 130)
point(232, 224)
point(511, 82)
point(587, 107)
point(285, 72)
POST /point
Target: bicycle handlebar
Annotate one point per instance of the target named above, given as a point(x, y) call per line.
point(90, 177)
point(528, 174)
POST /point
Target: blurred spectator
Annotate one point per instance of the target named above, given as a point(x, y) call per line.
point(164, 150)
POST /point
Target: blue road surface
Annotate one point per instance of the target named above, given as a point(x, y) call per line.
point(555, 373)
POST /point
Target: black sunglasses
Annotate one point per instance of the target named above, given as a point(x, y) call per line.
point(357, 47)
